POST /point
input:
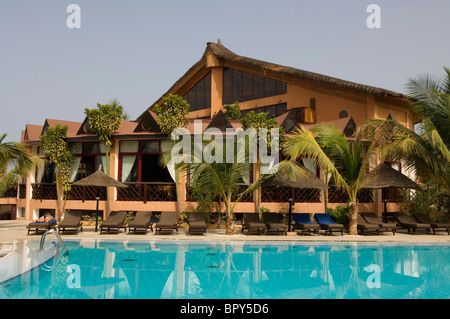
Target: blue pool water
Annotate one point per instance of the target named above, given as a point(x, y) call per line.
point(237, 270)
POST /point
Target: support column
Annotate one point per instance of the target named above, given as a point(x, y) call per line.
point(216, 89)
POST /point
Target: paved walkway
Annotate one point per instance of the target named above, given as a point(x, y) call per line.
point(16, 230)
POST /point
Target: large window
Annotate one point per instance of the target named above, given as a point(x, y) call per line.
point(88, 157)
point(242, 86)
point(139, 162)
point(199, 97)
point(272, 110)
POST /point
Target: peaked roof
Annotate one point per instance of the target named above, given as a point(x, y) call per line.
point(225, 55)
point(384, 176)
point(32, 132)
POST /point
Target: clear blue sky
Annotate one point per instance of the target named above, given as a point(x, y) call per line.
point(135, 50)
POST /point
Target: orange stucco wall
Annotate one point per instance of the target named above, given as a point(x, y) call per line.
point(328, 103)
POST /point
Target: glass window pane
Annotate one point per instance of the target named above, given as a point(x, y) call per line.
point(227, 98)
point(257, 87)
point(280, 87)
point(200, 91)
point(207, 91)
point(237, 86)
point(102, 148)
point(270, 110)
point(129, 168)
point(166, 146)
point(129, 146)
point(247, 93)
point(150, 146)
point(90, 147)
point(269, 87)
point(281, 109)
point(77, 148)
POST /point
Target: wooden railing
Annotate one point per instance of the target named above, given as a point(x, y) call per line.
point(338, 195)
point(242, 187)
point(47, 191)
point(166, 192)
point(151, 191)
point(280, 194)
point(12, 191)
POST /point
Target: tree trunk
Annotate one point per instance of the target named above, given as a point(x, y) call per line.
point(108, 207)
point(229, 214)
point(352, 217)
point(59, 195)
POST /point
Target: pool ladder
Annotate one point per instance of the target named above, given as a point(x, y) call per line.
point(60, 241)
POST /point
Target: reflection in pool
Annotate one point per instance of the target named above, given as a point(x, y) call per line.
point(237, 270)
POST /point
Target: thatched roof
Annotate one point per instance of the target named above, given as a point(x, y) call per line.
point(225, 55)
point(383, 176)
point(308, 180)
point(99, 179)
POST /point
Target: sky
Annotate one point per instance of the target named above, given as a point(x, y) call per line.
point(134, 50)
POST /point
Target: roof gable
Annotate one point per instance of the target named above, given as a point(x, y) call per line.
point(148, 122)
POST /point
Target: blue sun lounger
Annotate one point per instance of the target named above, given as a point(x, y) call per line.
point(327, 223)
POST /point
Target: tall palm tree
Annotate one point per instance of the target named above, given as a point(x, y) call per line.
point(427, 150)
point(346, 160)
point(18, 158)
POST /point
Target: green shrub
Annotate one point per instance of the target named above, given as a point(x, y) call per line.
point(339, 214)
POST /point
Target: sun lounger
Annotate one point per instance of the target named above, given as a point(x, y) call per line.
point(425, 219)
point(71, 221)
point(303, 222)
point(273, 223)
point(252, 223)
point(141, 222)
point(364, 227)
point(115, 221)
point(408, 223)
point(197, 222)
point(371, 218)
point(328, 224)
point(40, 226)
point(167, 221)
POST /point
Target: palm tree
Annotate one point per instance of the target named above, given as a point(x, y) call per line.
point(19, 159)
point(226, 179)
point(346, 160)
point(427, 150)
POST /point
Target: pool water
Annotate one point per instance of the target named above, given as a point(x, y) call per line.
point(113, 269)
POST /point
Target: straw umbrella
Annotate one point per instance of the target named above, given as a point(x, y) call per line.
point(384, 176)
point(305, 180)
point(99, 179)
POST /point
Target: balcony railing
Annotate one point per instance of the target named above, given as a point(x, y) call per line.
point(43, 191)
point(47, 191)
point(242, 187)
point(151, 191)
point(338, 195)
point(280, 194)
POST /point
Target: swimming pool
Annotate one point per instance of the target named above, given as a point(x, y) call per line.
point(117, 269)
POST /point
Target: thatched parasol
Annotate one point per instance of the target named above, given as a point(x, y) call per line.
point(99, 179)
point(305, 180)
point(384, 176)
point(308, 180)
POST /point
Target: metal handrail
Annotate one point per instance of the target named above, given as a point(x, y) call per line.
point(60, 241)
